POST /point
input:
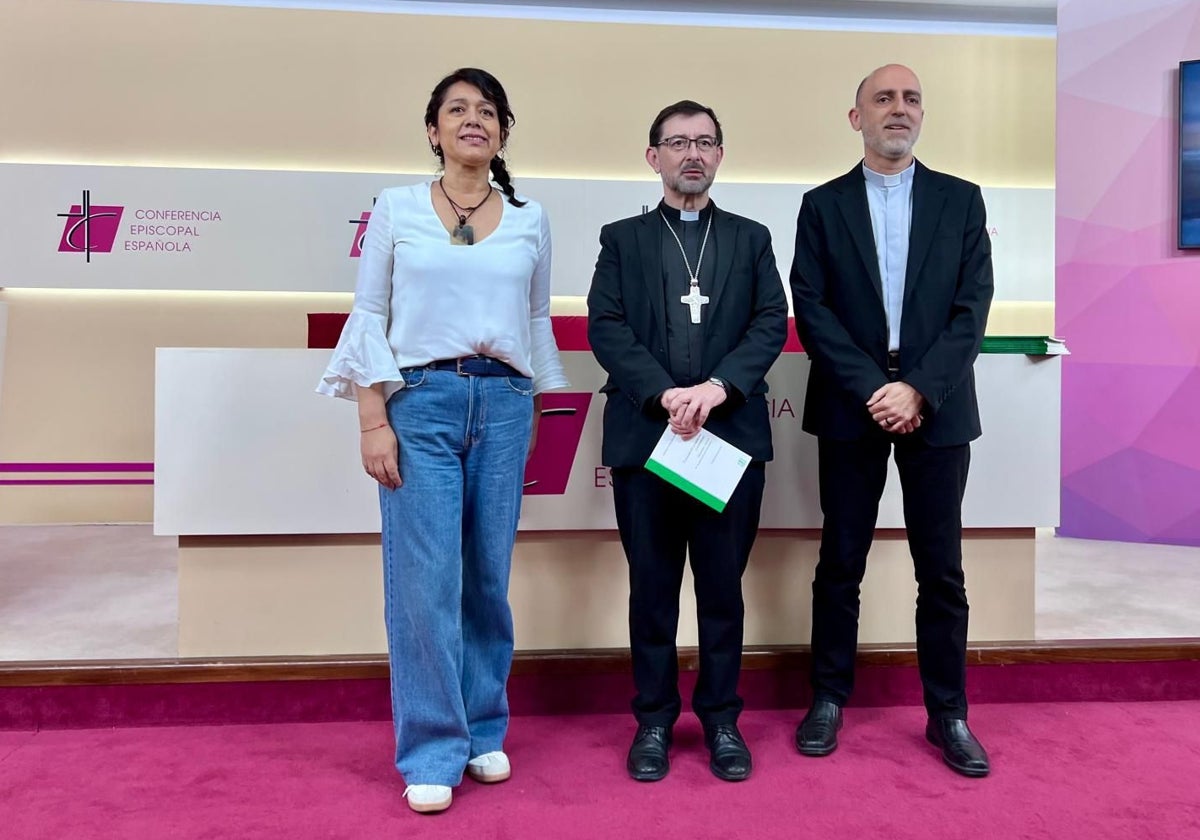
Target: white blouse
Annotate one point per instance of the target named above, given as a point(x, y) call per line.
point(420, 299)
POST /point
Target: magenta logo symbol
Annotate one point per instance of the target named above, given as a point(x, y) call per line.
point(360, 230)
point(90, 228)
point(559, 433)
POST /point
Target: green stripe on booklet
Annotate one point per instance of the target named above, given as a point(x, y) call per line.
point(706, 467)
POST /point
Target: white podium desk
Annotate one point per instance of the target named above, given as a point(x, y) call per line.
point(261, 479)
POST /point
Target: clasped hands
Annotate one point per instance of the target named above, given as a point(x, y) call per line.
point(689, 407)
point(896, 407)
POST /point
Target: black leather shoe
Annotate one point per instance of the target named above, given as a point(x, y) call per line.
point(817, 733)
point(729, 755)
point(960, 749)
point(648, 761)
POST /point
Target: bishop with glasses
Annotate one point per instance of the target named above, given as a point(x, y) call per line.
point(686, 314)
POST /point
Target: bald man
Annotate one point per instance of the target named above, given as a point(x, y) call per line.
point(891, 285)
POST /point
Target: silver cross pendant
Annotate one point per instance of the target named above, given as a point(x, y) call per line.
point(694, 300)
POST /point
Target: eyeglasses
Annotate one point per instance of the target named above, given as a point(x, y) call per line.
point(679, 143)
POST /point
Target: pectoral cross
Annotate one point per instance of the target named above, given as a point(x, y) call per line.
point(694, 300)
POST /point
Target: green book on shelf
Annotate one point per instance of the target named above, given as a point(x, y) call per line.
point(1030, 345)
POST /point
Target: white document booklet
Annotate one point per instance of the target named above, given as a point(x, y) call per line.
point(705, 467)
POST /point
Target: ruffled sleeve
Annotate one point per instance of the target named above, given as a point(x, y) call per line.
point(363, 355)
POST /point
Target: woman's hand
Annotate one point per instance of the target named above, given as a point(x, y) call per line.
point(381, 456)
point(377, 442)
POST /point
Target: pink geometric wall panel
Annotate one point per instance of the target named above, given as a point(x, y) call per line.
point(1127, 300)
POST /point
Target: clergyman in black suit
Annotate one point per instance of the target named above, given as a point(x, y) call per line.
point(891, 285)
point(686, 313)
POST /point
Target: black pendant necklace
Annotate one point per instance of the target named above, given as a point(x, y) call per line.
point(463, 233)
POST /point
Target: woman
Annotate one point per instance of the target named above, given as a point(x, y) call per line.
point(447, 348)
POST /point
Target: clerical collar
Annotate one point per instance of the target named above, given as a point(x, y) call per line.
point(880, 180)
point(674, 215)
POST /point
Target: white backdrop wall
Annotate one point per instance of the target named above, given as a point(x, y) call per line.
point(254, 230)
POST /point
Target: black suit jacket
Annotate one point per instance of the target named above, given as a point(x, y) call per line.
point(745, 326)
point(838, 301)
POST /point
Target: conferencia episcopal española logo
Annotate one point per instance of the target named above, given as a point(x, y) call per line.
point(92, 228)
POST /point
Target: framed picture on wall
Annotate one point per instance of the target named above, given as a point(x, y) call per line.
point(1189, 154)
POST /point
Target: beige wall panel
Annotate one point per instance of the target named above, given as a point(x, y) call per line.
point(260, 597)
point(99, 504)
point(273, 597)
point(137, 83)
point(570, 589)
point(1021, 317)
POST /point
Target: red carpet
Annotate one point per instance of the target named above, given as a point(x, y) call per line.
point(1069, 770)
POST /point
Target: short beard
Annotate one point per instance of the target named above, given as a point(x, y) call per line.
point(894, 148)
point(685, 186)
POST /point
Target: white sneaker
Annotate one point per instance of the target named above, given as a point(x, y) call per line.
point(428, 799)
point(489, 767)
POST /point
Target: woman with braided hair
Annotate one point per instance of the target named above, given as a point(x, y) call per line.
point(447, 350)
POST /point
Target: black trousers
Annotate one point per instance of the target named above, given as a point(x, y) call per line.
point(659, 526)
point(933, 479)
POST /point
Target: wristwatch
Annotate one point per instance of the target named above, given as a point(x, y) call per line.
point(720, 383)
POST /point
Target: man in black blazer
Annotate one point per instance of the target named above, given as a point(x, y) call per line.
point(686, 313)
point(891, 285)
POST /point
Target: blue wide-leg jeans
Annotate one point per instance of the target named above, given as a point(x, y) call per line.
point(448, 536)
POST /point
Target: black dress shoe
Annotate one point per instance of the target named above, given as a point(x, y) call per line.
point(729, 756)
point(960, 749)
point(648, 760)
point(817, 733)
